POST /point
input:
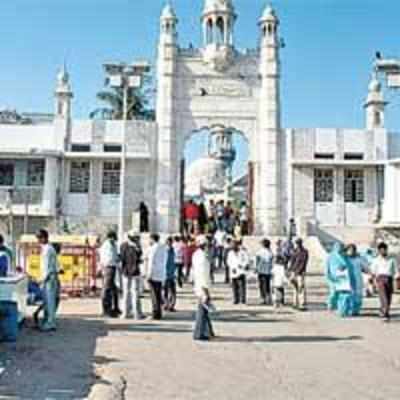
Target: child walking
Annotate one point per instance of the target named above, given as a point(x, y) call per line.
point(278, 281)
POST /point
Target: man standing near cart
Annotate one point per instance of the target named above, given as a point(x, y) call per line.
point(49, 270)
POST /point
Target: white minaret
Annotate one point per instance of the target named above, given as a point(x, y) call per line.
point(268, 171)
point(218, 20)
point(63, 95)
point(168, 201)
point(375, 105)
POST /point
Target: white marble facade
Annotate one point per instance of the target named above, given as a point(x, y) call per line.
point(330, 178)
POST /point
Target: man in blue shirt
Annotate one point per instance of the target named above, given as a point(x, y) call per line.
point(170, 282)
point(5, 258)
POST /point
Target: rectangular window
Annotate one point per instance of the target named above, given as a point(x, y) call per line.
point(36, 170)
point(112, 148)
point(111, 177)
point(7, 173)
point(354, 186)
point(79, 177)
point(80, 148)
point(353, 156)
point(324, 156)
point(324, 186)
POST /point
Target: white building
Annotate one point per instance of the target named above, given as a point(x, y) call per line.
point(334, 181)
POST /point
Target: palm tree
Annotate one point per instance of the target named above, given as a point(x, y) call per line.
point(138, 104)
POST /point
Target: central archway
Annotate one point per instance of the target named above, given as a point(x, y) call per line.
point(216, 165)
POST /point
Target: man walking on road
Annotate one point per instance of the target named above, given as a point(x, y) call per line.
point(156, 273)
point(264, 264)
point(384, 269)
point(49, 268)
point(130, 255)
point(170, 282)
point(202, 283)
point(109, 261)
point(238, 262)
point(297, 272)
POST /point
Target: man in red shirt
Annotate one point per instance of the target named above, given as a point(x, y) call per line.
point(191, 214)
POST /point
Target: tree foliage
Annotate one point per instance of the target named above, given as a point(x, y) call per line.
point(139, 103)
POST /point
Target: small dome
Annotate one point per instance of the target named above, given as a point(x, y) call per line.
point(218, 5)
point(168, 12)
point(205, 174)
point(269, 14)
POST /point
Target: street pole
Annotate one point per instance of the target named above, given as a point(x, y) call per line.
point(11, 222)
point(121, 221)
point(26, 211)
point(123, 76)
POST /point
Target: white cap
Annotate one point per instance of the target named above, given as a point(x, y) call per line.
point(201, 240)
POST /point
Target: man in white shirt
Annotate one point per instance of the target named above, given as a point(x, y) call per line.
point(109, 260)
point(239, 262)
point(49, 272)
point(384, 269)
point(156, 273)
point(219, 238)
point(202, 283)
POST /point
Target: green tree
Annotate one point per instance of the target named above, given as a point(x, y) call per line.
point(139, 103)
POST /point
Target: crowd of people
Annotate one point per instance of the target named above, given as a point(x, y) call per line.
point(200, 218)
point(351, 276)
point(195, 260)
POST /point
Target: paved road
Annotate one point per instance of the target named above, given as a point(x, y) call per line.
point(259, 354)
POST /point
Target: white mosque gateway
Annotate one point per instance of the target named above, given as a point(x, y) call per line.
point(64, 173)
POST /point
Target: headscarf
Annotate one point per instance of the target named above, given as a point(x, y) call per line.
point(335, 261)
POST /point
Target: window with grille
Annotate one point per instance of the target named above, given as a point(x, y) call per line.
point(112, 148)
point(354, 186)
point(79, 177)
point(6, 173)
point(323, 186)
point(80, 148)
point(111, 177)
point(36, 170)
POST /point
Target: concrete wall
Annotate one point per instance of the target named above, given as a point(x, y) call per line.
point(303, 146)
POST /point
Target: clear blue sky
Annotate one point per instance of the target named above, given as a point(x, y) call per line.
point(326, 63)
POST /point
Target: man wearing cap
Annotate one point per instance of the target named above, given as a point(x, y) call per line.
point(109, 261)
point(49, 271)
point(297, 273)
point(130, 254)
point(202, 283)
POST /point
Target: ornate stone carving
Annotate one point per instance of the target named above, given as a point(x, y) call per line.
point(219, 58)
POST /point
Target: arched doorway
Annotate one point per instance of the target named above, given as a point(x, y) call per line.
point(215, 166)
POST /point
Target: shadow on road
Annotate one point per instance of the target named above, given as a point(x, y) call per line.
point(57, 365)
point(286, 339)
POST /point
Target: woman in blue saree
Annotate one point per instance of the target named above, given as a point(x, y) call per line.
point(338, 275)
point(356, 278)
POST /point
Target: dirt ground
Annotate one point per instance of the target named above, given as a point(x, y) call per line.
point(258, 354)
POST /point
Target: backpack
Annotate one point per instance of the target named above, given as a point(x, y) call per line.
point(4, 263)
